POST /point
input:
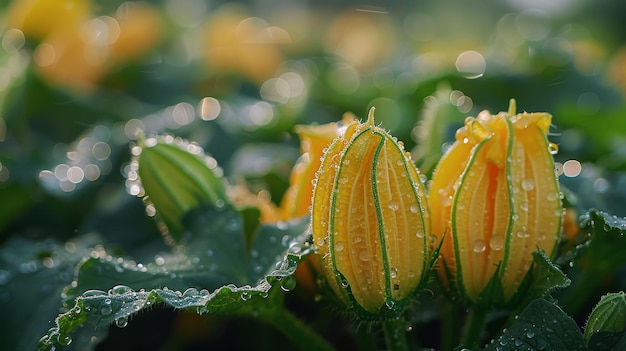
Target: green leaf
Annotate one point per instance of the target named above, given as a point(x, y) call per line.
point(600, 256)
point(32, 277)
point(546, 276)
point(607, 243)
point(609, 315)
point(607, 341)
point(211, 273)
point(541, 326)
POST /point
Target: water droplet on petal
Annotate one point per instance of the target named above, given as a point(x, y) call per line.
point(339, 246)
point(419, 233)
point(553, 148)
point(496, 242)
point(394, 272)
point(479, 246)
point(528, 184)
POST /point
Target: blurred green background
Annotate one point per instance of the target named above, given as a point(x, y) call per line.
point(80, 79)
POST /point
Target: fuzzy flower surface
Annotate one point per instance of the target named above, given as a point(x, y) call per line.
point(496, 197)
point(370, 221)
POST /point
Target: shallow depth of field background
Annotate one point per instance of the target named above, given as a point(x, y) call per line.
point(235, 77)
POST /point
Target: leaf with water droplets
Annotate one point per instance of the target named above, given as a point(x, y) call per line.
point(607, 242)
point(214, 273)
point(541, 326)
point(37, 272)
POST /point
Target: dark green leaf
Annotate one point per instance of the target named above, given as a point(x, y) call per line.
point(546, 276)
point(212, 273)
point(600, 256)
point(607, 341)
point(609, 315)
point(32, 277)
point(541, 326)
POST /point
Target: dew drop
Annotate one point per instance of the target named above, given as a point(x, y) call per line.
point(121, 322)
point(319, 242)
point(528, 184)
point(390, 304)
point(414, 208)
point(446, 201)
point(394, 206)
point(496, 242)
point(106, 308)
point(479, 246)
point(64, 340)
point(523, 206)
point(419, 233)
point(541, 344)
point(553, 148)
point(394, 272)
point(530, 334)
point(364, 256)
point(120, 289)
point(339, 246)
point(288, 283)
point(523, 234)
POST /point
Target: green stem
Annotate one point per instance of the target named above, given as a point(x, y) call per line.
point(294, 329)
point(474, 325)
point(450, 327)
point(395, 336)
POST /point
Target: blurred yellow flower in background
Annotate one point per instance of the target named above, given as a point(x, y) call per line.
point(364, 39)
point(233, 42)
point(75, 50)
point(38, 18)
point(314, 139)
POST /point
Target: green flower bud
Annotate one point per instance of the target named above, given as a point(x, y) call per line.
point(609, 315)
point(175, 177)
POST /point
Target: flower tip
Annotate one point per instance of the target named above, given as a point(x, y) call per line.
point(512, 107)
point(370, 116)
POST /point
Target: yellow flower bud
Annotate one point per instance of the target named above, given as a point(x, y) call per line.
point(313, 140)
point(496, 197)
point(370, 221)
point(296, 202)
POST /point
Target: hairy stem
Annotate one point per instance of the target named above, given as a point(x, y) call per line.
point(294, 329)
point(395, 336)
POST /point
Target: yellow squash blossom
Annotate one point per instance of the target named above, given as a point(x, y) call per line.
point(235, 43)
point(77, 51)
point(38, 18)
point(370, 221)
point(496, 197)
point(296, 202)
point(314, 139)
